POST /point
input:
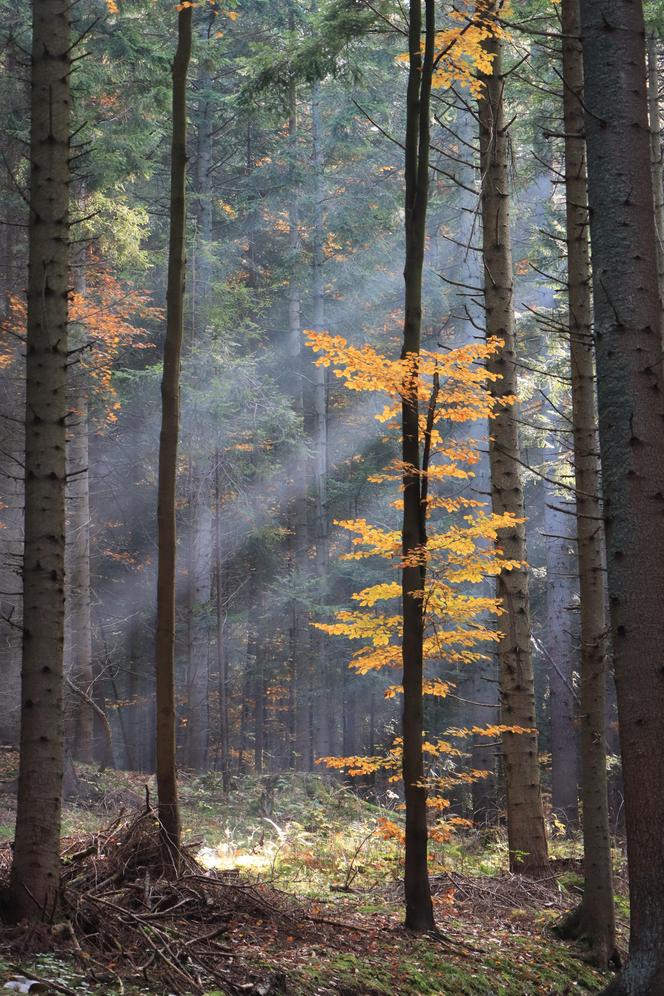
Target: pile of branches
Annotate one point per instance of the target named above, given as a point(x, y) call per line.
point(505, 893)
point(124, 921)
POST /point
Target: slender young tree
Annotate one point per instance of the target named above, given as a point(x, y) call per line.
point(525, 819)
point(300, 726)
point(35, 868)
point(629, 381)
point(419, 908)
point(594, 918)
point(169, 811)
point(560, 642)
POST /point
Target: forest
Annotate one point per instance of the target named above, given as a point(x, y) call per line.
point(332, 497)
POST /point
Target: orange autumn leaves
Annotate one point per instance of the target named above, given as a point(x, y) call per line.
point(104, 320)
point(462, 546)
point(460, 54)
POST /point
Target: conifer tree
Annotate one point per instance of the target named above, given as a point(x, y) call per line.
point(35, 868)
point(525, 817)
point(630, 402)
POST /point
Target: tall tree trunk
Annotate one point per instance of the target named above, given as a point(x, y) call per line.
point(12, 397)
point(222, 655)
point(630, 384)
point(325, 712)
point(656, 161)
point(36, 861)
point(169, 810)
point(559, 643)
point(258, 666)
point(419, 909)
point(594, 919)
point(202, 207)
point(298, 559)
point(200, 529)
point(78, 626)
point(525, 820)
point(198, 642)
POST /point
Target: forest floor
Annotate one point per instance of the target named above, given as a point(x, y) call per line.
point(291, 886)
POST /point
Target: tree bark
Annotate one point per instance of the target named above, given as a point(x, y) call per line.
point(169, 811)
point(419, 909)
point(629, 378)
point(594, 920)
point(300, 732)
point(525, 820)
point(326, 710)
point(656, 161)
point(36, 861)
point(559, 644)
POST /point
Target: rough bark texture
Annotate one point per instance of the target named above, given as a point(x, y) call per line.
point(35, 867)
point(629, 377)
point(419, 910)
point(525, 821)
point(559, 643)
point(169, 813)
point(656, 162)
point(13, 94)
point(594, 920)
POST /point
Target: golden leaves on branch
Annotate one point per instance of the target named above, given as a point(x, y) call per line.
point(460, 54)
point(460, 546)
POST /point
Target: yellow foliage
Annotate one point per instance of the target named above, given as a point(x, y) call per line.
point(461, 548)
point(460, 56)
point(389, 830)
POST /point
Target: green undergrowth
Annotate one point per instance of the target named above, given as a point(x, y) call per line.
point(315, 837)
point(426, 968)
point(395, 967)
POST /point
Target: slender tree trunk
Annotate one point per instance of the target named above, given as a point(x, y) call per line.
point(594, 919)
point(202, 206)
point(36, 860)
point(630, 384)
point(326, 711)
point(525, 820)
point(222, 656)
point(559, 644)
point(258, 666)
point(78, 627)
point(656, 160)
point(419, 910)
point(169, 812)
point(198, 643)
point(298, 638)
point(200, 531)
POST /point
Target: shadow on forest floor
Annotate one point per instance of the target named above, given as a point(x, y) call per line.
point(290, 886)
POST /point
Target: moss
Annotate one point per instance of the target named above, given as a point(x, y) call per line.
point(427, 968)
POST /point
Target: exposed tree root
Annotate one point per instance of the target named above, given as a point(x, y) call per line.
point(580, 926)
